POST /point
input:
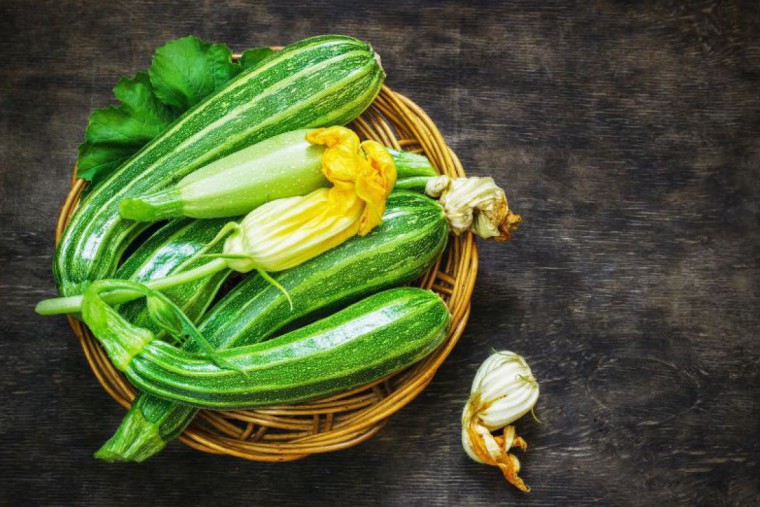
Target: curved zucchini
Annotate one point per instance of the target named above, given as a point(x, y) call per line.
point(377, 336)
point(318, 81)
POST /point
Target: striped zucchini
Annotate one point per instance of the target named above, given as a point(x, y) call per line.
point(411, 237)
point(175, 247)
point(377, 336)
point(323, 80)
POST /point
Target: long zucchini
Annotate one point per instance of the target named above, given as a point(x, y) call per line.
point(377, 336)
point(412, 235)
point(323, 80)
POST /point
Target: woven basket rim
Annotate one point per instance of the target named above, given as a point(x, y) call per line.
point(352, 417)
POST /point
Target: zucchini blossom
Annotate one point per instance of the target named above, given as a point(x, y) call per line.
point(474, 204)
point(503, 390)
point(286, 232)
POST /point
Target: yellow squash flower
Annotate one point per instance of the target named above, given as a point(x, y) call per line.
point(286, 232)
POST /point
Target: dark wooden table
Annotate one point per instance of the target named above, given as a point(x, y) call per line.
point(627, 136)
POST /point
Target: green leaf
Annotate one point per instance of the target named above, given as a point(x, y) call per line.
point(185, 71)
point(114, 133)
point(164, 317)
point(252, 57)
point(97, 160)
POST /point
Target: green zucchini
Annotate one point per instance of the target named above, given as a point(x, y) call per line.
point(411, 237)
point(323, 80)
point(175, 247)
point(377, 336)
point(285, 165)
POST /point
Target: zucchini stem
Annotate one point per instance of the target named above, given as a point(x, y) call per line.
point(137, 439)
point(123, 340)
point(413, 184)
point(73, 304)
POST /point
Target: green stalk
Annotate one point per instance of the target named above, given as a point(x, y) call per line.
point(409, 164)
point(124, 340)
point(136, 438)
point(73, 304)
point(150, 423)
point(414, 184)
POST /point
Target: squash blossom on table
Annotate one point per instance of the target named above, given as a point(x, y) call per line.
point(285, 232)
point(504, 389)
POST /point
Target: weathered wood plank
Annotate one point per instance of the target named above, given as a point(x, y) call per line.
point(627, 135)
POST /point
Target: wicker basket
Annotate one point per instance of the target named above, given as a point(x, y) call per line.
point(292, 432)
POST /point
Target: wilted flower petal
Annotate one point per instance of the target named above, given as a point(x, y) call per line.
point(503, 390)
point(474, 204)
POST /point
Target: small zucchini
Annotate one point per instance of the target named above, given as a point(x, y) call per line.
point(285, 165)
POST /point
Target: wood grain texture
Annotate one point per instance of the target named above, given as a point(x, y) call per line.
point(627, 136)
